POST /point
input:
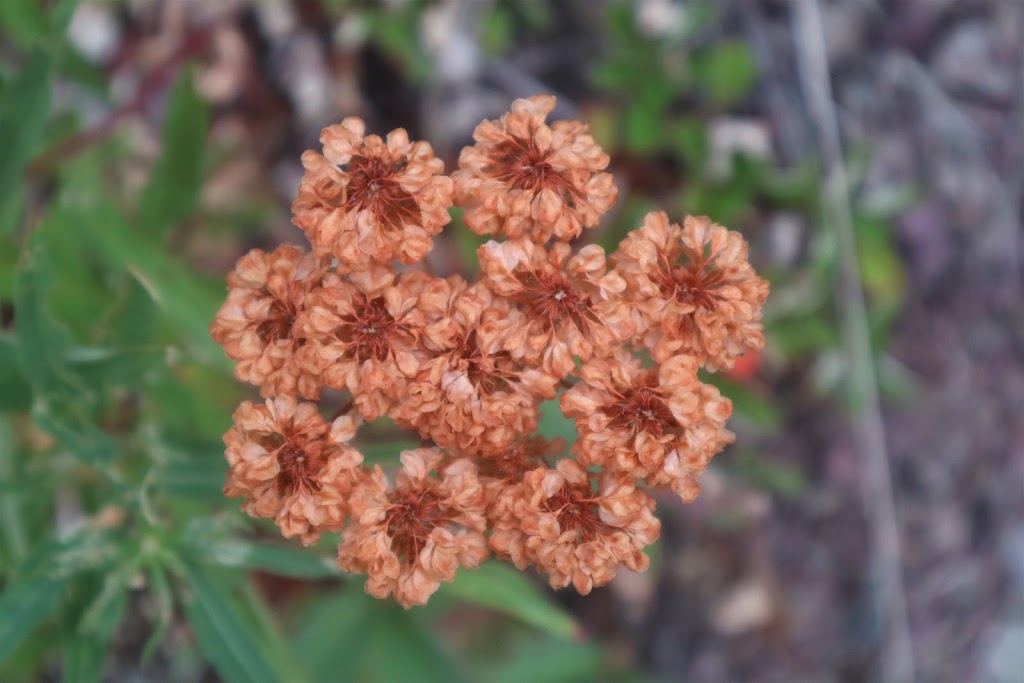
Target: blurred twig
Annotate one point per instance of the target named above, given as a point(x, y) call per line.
point(876, 485)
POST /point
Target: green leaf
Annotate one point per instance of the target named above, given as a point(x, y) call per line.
point(61, 404)
point(747, 403)
point(186, 301)
point(643, 128)
point(501, 587)
point(38, 583)
point(86, 651)
point(333, 634)
point(726, 72)
point(276, 559)
point(17, 394)
point(551, 661)
point(553, 424)
point(222, 634)
point(23, 115)
point(24, 21)
point(12, 523)
point(23, 605)
point(164, 599)
point(422, 658)
point(172, 192)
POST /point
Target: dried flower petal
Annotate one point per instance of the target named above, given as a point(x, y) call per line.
point(694, 289)
point(557, 522)
point(658, 424)
point(474, 396)
point(524, 178)
point(255, 325)
point(364, 333)
point(565, 305)
point(288, 464)
point(367, 200)
point(412, 537)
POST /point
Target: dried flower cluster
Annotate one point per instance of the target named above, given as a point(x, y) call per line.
point(467, 364)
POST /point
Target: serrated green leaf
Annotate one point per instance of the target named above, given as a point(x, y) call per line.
point(282, 560)
point(501, 587)
point(222, 635)
point(172, 192)
point(23, 114)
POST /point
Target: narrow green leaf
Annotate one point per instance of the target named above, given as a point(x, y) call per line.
point(23, 114)
point(17, 393)
point(24, 21)
point(172, 192)
point(422, 659)
point(164, 598)
point(276, 559)
point(61, 404)
point(12, 523)
point(221, 633)
point(85, 653)
point(551, 661)
point(501, 587)
point(23, 605)
point(332, 634)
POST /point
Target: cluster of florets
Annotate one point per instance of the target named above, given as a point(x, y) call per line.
point(467, 364)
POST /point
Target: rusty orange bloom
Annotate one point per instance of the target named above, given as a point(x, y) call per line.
point(525, 178)
point(694, 289)
point(412, 537)
point(367, 200)
point(473, 396)
point(565, 305)
point(256, 324)
point(658, 424)
point(501, 470)
point(556, 521)
point(363, 333)
point(291, 466)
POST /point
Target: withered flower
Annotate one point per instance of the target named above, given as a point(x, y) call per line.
point(694, 289)
point(291, 466)
point(525, 178)
point(565, 305)
point(658, 424)
point(412, 537)
point(364, 333)
point(556, 521)
point(256, 324)
point(473, 396)
point(366, 200)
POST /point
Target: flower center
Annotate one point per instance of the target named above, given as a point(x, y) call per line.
point(576, 511)
point(373, 187)
point(488, 372)
point(695, 285)
point(278, 323)
point(520, 164)
point(642, 409)
point(369, 331)
point(298, 466)
point(410, 520)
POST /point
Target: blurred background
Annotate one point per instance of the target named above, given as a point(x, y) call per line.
point(868, 524)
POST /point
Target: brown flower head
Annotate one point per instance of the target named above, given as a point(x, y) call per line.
point(256, 324)
point(473, 396)
point(524, 178)
point(565, 305)
point(499, 471)
point(412, 537)
point(694, 289)
point(291, 466)
point(364, 333)
point(367, 201)
point(556, 521)
point(659, 424)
